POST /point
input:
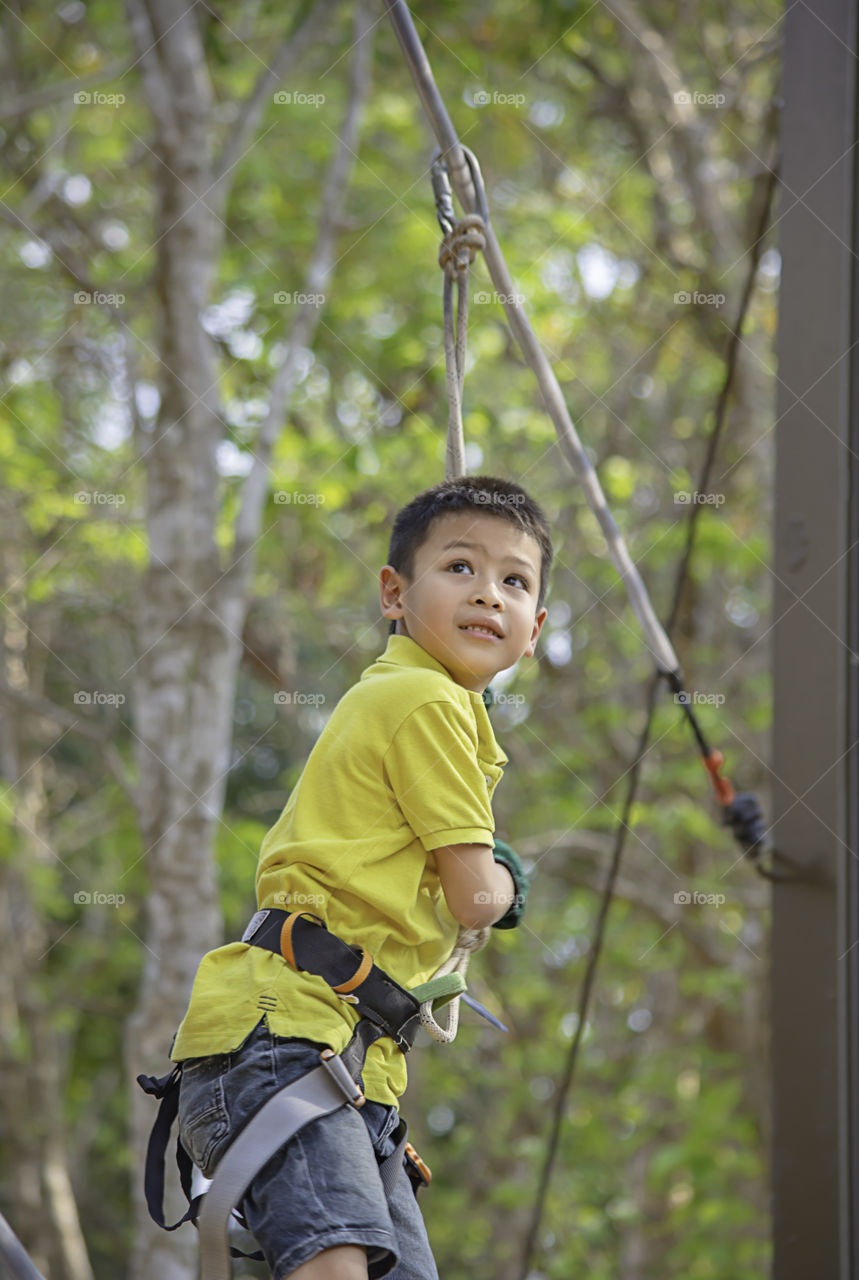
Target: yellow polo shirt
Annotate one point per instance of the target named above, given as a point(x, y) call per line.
point(406, 763)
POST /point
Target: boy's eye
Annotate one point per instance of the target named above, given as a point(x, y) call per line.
point(455, 563)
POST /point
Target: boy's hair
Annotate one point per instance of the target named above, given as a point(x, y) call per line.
point(486, 495)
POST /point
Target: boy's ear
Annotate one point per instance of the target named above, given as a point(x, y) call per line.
point(390, 590)
point(539, 619)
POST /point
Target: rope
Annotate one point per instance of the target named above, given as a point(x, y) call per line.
point(18, 1263)
point(462, 241)
point(455, 256)
point(632, 787)
point(469, 188)
point(469, 940)
point(747, 821)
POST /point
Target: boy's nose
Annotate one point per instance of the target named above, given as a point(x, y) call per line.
point(486, 593)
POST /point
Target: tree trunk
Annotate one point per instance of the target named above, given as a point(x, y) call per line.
point(184, 677)
point(42, 1205)
point(191, 607)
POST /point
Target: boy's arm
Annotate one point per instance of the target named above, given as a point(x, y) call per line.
point(436, 779)
point(478, 890)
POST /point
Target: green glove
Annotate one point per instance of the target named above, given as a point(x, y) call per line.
point(510, 859)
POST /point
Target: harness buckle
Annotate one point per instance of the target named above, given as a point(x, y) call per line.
point(417, 1163)
point(255, 922)
point(336, 1068)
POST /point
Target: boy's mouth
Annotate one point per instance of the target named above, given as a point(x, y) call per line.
point(481, 629)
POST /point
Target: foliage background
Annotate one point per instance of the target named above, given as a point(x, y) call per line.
point(605, 214)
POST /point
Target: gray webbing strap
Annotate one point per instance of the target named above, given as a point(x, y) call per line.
point(390, 1167)
point(278, 1120)
point(290, 1109)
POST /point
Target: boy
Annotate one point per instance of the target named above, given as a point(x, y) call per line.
point(387, 836)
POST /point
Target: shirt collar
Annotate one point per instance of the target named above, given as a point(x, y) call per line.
point(403, 651)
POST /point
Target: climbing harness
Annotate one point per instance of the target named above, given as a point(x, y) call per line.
point(385, 1009)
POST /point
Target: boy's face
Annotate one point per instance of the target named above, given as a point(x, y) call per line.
point(471, 569)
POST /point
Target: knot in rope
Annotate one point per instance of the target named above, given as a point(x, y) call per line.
point(457, 962)
point(461, 245)
point(458, 250)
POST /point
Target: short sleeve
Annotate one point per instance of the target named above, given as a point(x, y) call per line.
point(434, 772)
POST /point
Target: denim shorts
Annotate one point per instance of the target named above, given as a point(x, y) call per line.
point(323, 1188)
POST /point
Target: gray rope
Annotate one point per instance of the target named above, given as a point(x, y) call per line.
point(17, 1263)
point(456, 254)
point(466, 182)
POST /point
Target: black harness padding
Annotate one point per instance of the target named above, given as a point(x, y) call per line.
point(392, 1009)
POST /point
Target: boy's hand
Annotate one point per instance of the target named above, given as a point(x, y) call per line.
point(510, 859)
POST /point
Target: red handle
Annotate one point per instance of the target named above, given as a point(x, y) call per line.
point(724, 791)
